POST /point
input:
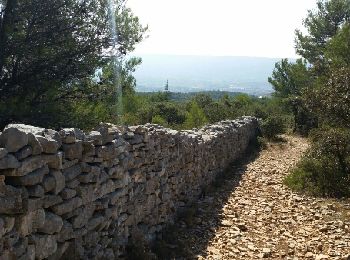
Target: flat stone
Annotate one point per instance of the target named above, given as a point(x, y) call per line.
point(49, 145)
point(73, 151)
point(68, 193)
point(72, 172)
point(73, 184)
point(33, 204)
point(27, 165)
point(53, 224)
point(67, 206)
point(25, 152)
point(30, 179)
point(51, 200)
point(9, 162)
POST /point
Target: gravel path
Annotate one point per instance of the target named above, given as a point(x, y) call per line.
point(253, 215)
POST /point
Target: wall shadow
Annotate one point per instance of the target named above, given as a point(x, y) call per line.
point(195, 227)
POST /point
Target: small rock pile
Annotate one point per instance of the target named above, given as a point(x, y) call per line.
point(80, 195)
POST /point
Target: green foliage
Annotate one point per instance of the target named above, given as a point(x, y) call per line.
point(288, 79)
point(195, 117)
point(338, 48)
point(325, 170)
point(331, 101)
point(157, 119)
point(326, 167)
point(322, 24)
point(273, 126)
point(50, 51)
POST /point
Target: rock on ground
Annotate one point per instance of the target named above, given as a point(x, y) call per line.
point(254, 216)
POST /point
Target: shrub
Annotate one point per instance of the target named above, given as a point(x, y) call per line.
point(325, 170)
point(195, 118)
point(273, 126)
point(157, 119)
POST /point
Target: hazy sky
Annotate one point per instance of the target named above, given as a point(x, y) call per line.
point(263, 28)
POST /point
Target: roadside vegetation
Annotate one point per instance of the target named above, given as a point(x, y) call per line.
point(318, 88)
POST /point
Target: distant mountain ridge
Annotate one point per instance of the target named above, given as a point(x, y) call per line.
point(205, 73)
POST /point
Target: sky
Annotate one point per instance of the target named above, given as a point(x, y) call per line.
point(256, 28)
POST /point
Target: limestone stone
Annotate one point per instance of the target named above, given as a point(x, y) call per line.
point(36, 191)
point(3, 152)
point(9, 162)
point(52, 224)
point(27, 165)
point(60, 181)
point(45, 245)
point(51, 200)
point(30, 179)
point(95, 137)
point(68, 135)
point(83, 218)
point(73, 151)
point(24, 224)
point(2, 227)
point(88, 148)
point(49, 183)
point(72, 172)
point(35, 144)
point(13, 139)
point(33, 204)
point(49, 145)
point(73, 184)
point(10, 200)
point(107, 136)
point(54, 135)
point(24, 152)
point(9, 223)
point(38, 218)
point(54, 161)
point(67, 206)
point(67, 193)
point(69, 163)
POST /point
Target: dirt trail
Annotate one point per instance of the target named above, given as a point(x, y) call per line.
point(253, 215)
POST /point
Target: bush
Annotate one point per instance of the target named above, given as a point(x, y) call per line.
point(325, 170)
point(273, 126)
point(157, 119)
point(195, 118)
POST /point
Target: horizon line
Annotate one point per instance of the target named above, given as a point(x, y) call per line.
point(209, 55)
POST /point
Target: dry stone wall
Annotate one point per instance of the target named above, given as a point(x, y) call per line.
point(75, 195)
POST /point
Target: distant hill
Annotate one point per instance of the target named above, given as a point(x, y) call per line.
point(205, 73)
